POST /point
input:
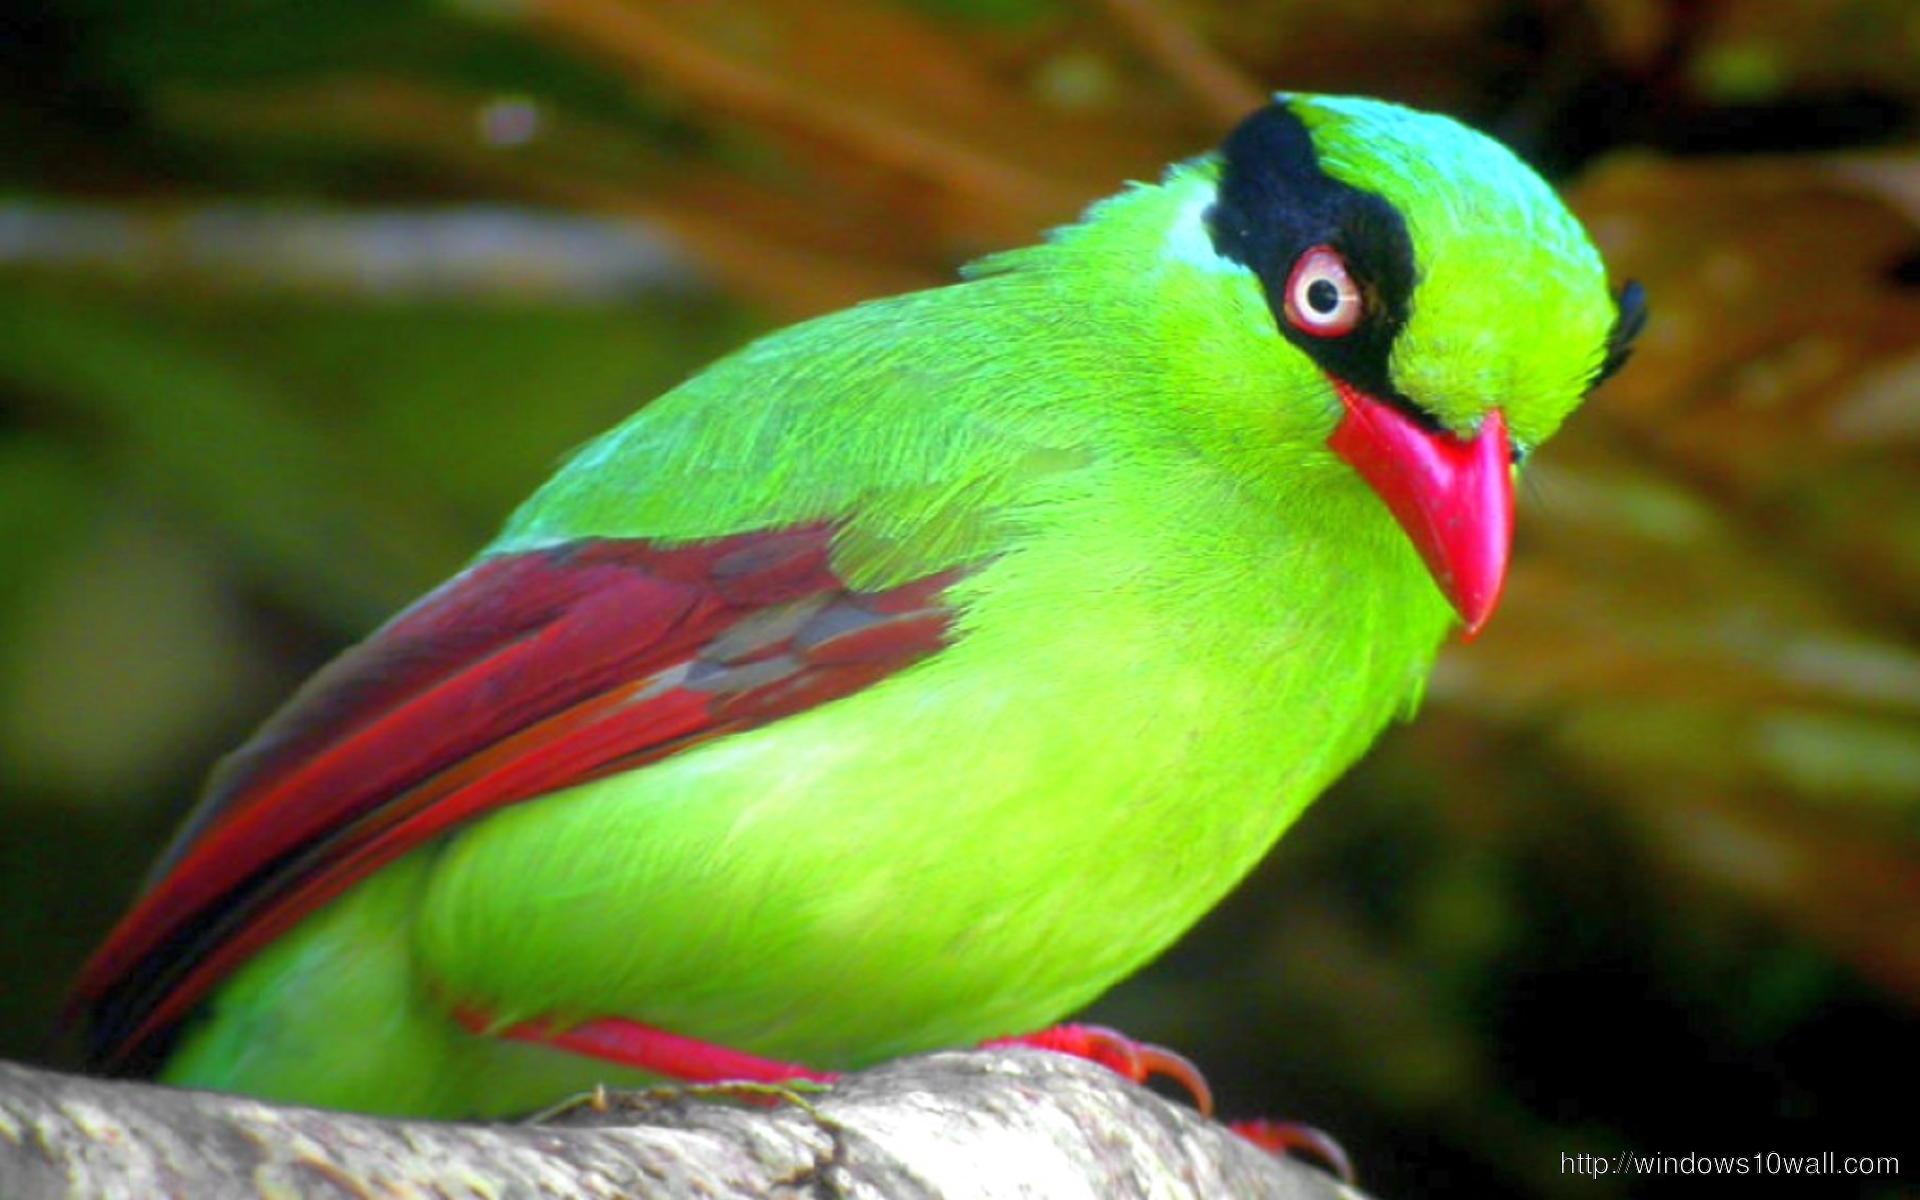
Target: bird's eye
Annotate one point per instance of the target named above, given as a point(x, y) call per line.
point(1322, 299)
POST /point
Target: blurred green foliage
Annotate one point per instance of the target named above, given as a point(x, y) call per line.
point(297, 301)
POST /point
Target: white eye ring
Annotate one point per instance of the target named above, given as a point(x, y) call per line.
point(1322, 300)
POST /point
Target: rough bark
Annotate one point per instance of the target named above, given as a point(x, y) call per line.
point(974, 1125)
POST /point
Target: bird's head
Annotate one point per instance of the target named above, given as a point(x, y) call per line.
point(1451, 306)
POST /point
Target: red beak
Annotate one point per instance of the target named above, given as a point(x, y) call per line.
point(1453, 497)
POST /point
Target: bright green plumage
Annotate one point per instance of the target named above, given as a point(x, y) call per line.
point(1183, 616)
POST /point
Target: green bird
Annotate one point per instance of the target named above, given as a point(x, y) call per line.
point(908, 677)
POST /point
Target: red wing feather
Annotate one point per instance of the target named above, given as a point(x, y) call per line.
point(523, 675)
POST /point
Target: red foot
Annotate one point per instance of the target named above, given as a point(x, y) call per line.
point(1289, 1140)
point(1136, 1061)
point(631, 1044)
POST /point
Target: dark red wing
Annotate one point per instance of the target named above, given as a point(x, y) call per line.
point(525, 674)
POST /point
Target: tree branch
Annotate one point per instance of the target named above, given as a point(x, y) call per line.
point(977, 1125)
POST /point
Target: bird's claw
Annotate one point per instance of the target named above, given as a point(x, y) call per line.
point(1140, 1061)
point(1131, 1060)
point(1290, 1139)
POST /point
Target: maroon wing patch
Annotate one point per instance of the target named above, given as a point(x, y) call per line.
point(525, 674)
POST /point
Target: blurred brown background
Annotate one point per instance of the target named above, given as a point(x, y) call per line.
point(296, 300)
